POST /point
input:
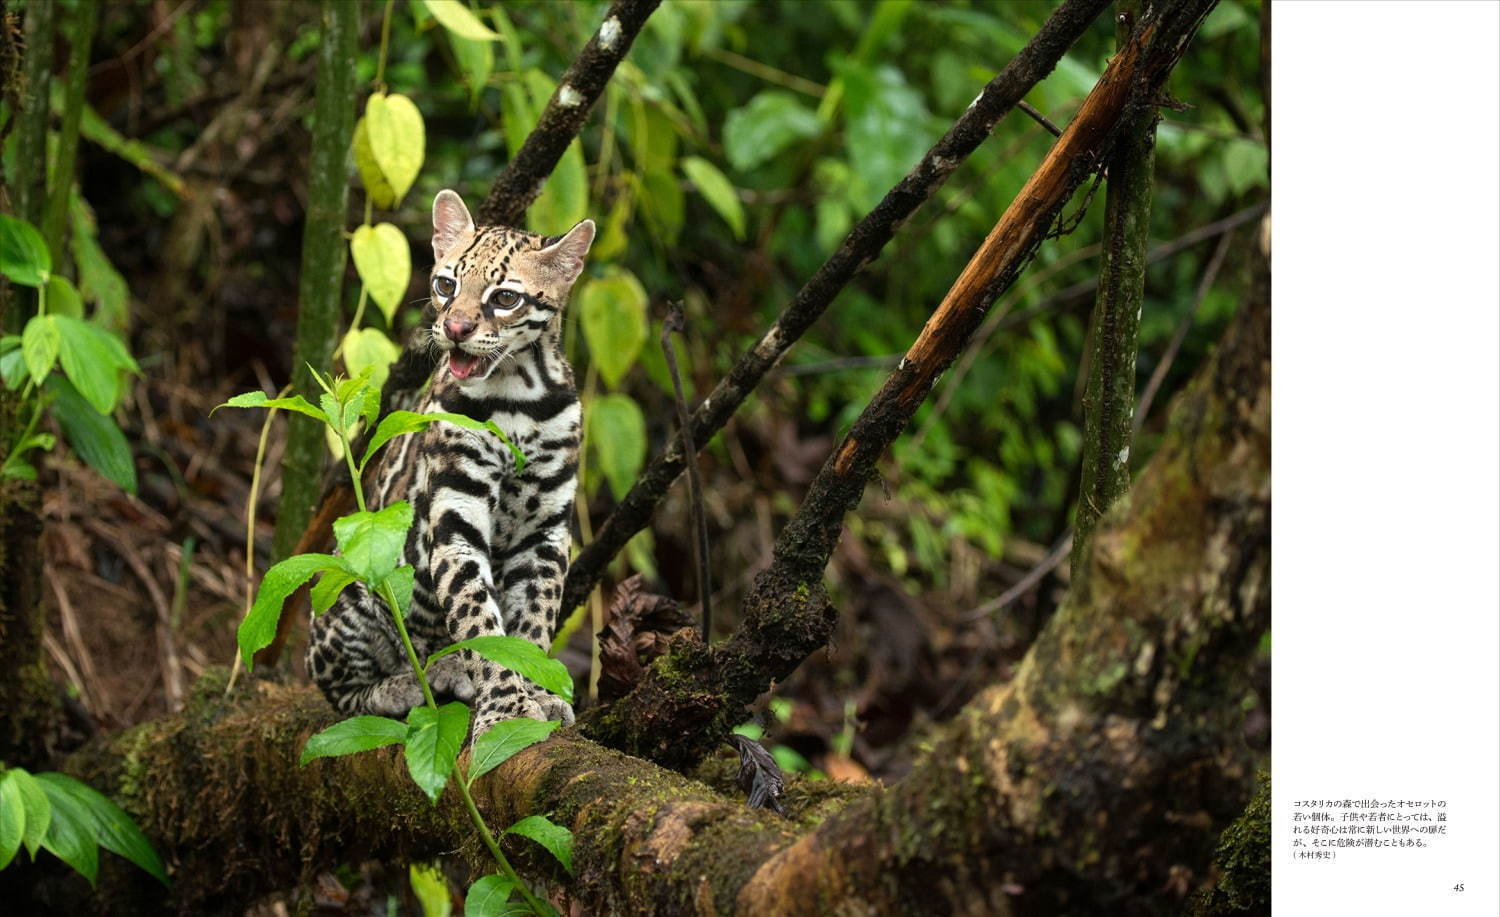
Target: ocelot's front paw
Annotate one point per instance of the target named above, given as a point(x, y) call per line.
point(552, 706)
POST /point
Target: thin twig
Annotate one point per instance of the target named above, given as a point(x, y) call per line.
point(1040, 118)
point(1025, 584)
point(71, 633)
point(676, 322)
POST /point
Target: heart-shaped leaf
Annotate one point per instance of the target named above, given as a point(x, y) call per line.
point(398, 139)
point(383, 260)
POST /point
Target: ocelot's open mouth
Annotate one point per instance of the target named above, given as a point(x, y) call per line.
point(463, 364)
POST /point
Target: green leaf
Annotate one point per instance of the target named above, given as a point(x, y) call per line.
point(328, 588)
point(12, 819)
point(70, 835)
point(98, 279)
point(111, 827)
point(40, 341)
point(476, 61)
point(557, 839)
point(718, 191)
point(664, 204)
point(520, 656)
point(12, 361)
point(457, 19)
point(63, 298)
point(616, 436)
point(377, 188)
point(356, 734)
point(262, 400)
point(371, 542)
point(397, 138)
point(768, 124)
point(383, 260)
point(505, 739)
point(89, 360)
point(23, 252)
point(431, 890)
point(94, 436)
point(259, 627)
point(487, 897)
point(885, 129)
point(38, 809)
point(402, 581)
point(398, 423)
point(564, 200)
point(612, 313)
point(369, 349)
point(433, 740)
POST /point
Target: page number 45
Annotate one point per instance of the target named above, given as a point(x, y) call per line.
point(1459, 887)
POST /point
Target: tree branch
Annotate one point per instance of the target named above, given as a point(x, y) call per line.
point(859, 247)
point(522, 179)
point(687, 701)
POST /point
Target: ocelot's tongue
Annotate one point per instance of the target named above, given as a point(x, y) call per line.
point(461, 364)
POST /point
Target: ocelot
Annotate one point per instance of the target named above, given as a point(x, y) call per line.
point(490, 543)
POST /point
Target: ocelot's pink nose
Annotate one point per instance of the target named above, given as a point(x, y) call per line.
point(457, 329)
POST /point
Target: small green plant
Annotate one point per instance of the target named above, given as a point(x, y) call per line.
point(69, 819)
point(370, 551)
point(93, 360)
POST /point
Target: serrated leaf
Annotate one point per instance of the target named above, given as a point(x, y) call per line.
point(383, 260)
point(398, 139)
point(457, 19)
point(328, 589)
point(70, 834)
point(718, 191)
point(94, 436)
point(262, 400)
point(433, 740)
point(89, 361)
point(371, 542)
point(377, 188)
point(520, 656)
point(557, 839)
point(505, 739)
point(356, 734)
point(111, 827)
point(616, 438)
point(259, 627)
point(63, 298)
point(38, 809)
point(487, 897)
point(12, 820)
point(24, 257)
point(399, 423)
point(612, 313)
point(40, 341)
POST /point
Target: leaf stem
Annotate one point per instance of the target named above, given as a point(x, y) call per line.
point(385, 42)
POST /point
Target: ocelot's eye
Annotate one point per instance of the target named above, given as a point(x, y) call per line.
point(505, 299)
point(444, 286)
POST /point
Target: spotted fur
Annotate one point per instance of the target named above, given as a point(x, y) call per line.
point(489, 543)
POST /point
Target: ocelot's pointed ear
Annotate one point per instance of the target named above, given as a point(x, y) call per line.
point(451, 223)
point(565, 256)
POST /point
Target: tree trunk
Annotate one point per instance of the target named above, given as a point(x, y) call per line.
point(323, 258)
point(1109, 392)
point(1096, 781)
